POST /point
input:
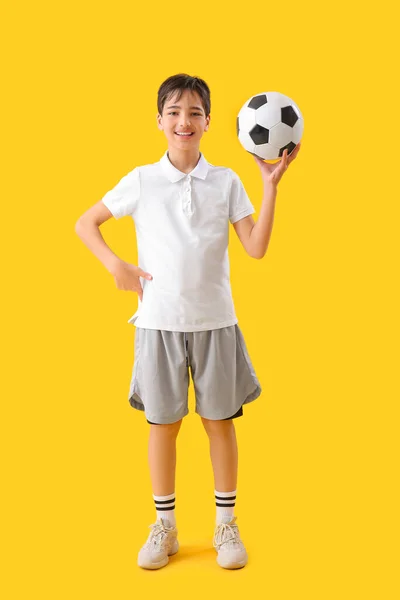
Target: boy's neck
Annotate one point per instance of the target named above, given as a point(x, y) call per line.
point(186, 160)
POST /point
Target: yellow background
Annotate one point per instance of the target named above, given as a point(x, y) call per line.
point(317, 501)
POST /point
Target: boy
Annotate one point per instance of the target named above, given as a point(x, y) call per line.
point(182, 206)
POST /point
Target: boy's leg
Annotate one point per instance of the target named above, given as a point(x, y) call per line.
point(224, 452)
point(162, 541)
point(231, 553)
point(162, 457)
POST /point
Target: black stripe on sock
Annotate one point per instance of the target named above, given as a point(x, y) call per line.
point(225, 498)
point(164, 508)
point(164, 501)
point(218, 504)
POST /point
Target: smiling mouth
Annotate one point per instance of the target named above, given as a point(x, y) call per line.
point(176, 133)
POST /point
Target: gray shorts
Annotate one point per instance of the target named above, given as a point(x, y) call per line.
point(221, 371)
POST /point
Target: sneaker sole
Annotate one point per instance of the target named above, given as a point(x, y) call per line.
point(161, 563)
point(239, 564)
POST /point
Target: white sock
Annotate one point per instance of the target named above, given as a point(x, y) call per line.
point(225, 502)
point(165, 507)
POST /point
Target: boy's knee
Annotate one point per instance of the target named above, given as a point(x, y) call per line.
point(216, 426)
point(167, 428)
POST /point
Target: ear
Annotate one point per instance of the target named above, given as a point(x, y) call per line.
point(207, 125)
point(159, 122)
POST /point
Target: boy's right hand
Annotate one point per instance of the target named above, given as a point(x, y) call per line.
point(127, 277)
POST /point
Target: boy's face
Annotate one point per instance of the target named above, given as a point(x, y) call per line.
point(183, 115)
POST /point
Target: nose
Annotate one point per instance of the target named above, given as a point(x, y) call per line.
point(184, 120)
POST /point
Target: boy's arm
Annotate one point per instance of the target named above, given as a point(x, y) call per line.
point(87, 228)
point(255, 236)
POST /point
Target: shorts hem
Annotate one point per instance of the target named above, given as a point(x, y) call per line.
point(135, 403)
point(234, 416)
point(253, 395)
point(250, 398)
point(231, 415)
point(156, 421)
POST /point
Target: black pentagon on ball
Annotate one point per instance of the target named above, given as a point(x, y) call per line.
point(257, 101)
point(288, 116)
point(290, 147)
point(259, 135)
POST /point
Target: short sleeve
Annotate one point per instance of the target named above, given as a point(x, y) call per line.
point(123, 198)
point(239, 202)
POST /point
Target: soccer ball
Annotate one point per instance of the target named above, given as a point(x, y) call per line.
point(268, 123)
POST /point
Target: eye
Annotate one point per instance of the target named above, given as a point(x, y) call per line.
point(174, 113)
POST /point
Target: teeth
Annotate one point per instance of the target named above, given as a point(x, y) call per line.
point(187, 134)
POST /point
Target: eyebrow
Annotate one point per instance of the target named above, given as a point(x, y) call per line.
point(177, 106)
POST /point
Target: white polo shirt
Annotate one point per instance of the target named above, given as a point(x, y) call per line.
point(182, 231)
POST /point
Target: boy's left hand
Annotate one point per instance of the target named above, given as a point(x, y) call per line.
point(273, 173)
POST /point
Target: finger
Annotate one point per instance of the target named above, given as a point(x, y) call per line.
point(144, 274)
point(293, 154)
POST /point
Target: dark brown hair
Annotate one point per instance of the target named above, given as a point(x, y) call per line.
point(179, 83)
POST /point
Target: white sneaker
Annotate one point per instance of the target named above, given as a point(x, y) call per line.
point(231, 551)
point(161, 543)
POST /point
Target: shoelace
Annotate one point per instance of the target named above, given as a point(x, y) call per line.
point(226, 532)
point(158, 534)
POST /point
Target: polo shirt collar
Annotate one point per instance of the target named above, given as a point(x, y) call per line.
point(173, 174)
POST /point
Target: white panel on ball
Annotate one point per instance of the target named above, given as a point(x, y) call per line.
point(298, 131)
point(280, 135)
point(266, 151)
point(267, 116)
point(247, 142)
point(247, 118)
